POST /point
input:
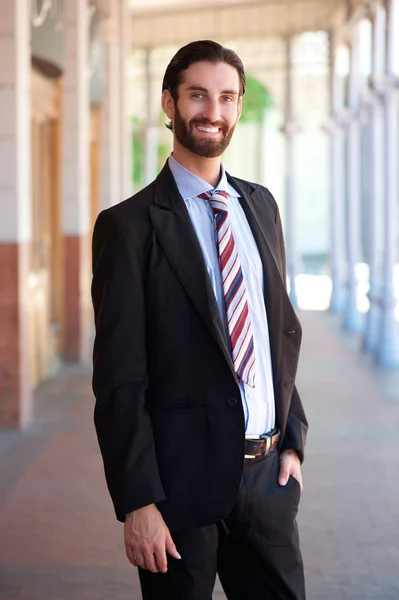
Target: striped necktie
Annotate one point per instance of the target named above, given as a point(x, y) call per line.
point(235, 294)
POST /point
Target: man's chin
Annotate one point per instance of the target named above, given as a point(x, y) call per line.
point(207, 149)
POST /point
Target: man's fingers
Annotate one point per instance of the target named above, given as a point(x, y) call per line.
point(140, 559)
point(289, 465)
point(170, 547)
point(285, 473)
point(160, 559)
point(130, 555)
point(149, 558)
point(283, 476)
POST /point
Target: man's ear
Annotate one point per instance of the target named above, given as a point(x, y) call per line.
point(168, 104)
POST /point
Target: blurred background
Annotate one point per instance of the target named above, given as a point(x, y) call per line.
point(81, 128)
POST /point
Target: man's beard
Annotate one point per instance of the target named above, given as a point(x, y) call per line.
point(206, 148)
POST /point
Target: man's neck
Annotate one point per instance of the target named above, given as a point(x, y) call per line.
point(207, 169)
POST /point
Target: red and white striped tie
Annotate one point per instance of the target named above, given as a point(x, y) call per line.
point(235, 294)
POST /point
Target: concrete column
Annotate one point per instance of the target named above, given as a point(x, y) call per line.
point(352, 317)
point(335, 128)
point(374, 174)
point(15, 209)
point(126, 141)
point(290, 129)
point(76, 193)
point(152, 128)
point(388, 346)
point(110, 133)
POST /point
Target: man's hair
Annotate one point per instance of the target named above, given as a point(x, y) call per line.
point(203, 50)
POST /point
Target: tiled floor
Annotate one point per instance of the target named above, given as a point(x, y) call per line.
point(58, 536)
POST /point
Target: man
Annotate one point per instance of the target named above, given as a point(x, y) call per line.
point(199, 422)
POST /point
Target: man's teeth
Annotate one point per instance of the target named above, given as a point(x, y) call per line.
point(208, 129)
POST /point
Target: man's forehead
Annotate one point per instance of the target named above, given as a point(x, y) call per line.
point(201, 73)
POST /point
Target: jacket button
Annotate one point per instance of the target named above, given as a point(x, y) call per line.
point(232, 402)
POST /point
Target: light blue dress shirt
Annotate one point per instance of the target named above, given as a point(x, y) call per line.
point(258, 402)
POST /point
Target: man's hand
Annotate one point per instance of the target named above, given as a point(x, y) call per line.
point(290, 465)
point(147, 539)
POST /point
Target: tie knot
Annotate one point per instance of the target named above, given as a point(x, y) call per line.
point(217, 199)
point(220, 193)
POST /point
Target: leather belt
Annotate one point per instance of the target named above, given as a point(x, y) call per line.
point(261, 446)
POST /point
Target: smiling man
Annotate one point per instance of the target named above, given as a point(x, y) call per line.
point(198, 418)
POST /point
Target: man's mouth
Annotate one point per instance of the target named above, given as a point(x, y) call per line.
point(208, 129)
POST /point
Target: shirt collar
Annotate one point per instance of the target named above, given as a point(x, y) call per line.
point(190, 185)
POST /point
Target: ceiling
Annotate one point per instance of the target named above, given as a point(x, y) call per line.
point(176, 22)
point(151, 5)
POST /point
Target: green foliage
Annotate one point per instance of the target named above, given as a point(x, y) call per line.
point(138, 155)
point(256, 100)
point(138, 151)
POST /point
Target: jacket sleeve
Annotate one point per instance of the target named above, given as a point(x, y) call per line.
point(297, 425)
point(121, 418)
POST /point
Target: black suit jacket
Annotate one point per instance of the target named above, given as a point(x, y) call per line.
point(168, 413)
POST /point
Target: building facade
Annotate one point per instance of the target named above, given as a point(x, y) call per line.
point(64, 149)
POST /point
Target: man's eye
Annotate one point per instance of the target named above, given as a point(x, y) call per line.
point(227, 99)
point(197, 95)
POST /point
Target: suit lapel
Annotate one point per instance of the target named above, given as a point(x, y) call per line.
point(261, 220)
point(280, 314)
point(177, 236)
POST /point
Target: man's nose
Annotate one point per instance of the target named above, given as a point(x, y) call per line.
point(212, 111)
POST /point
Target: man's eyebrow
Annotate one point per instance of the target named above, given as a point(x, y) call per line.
point(199, 88)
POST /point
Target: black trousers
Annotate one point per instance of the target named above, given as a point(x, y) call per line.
point(255, 550)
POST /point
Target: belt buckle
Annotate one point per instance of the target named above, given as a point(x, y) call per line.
point(268, 439)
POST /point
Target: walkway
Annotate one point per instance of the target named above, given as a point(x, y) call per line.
point(58, 537)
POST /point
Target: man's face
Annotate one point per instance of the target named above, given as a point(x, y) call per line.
point(208, 108)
